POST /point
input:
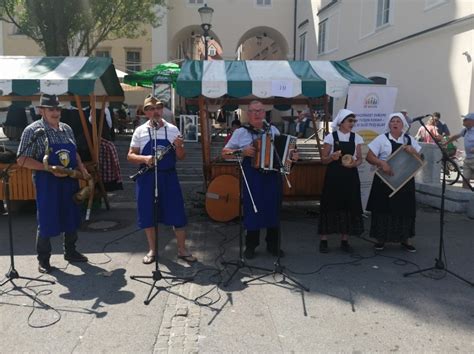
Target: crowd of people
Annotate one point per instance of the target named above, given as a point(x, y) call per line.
point(157, 144)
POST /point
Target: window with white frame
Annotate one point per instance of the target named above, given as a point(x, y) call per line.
point(302, 46)
point(133, 60)
point(263, 3)
point(383, 12)
point(322, 36)
point(195, 2)
point(211, 51)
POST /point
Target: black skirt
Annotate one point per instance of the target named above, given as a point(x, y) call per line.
point(393, 219)
point(341, 207)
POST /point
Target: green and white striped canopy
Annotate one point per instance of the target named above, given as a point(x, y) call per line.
point(27, 76)
point(267, 78)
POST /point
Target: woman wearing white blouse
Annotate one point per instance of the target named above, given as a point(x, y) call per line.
point(341, 207)
point(393, 218)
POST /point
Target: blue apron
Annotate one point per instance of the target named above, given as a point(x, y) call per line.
point(170, 198)
point(266, 188)
point(56, 210)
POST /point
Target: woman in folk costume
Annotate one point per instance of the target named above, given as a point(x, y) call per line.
point(341, 207)
point(393, 218)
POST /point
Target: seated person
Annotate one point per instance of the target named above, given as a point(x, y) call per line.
point(302, 123)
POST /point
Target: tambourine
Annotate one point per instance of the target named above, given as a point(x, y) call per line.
point(346, 160)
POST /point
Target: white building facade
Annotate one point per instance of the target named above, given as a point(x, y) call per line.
point(422, 47)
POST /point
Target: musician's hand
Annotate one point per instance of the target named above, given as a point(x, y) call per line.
point(248, 151)
point(410, 149)
point(336, 155)
point(59, 174)
point(150, 160)
point(295, 155)
point(85, 173)
point(386, 168)
point(179, 142)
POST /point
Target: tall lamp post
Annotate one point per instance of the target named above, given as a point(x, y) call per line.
point(206, 18)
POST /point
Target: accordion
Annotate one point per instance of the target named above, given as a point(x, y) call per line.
point(276, 155)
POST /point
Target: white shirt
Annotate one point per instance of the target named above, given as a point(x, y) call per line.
point(382, 148)
point(343, 137)
point(242, 138)
point(141, 136)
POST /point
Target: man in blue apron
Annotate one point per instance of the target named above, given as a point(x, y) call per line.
point(153, 139)
point(56, 211)
point(266, 186)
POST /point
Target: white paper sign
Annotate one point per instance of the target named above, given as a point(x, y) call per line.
point(282, 88)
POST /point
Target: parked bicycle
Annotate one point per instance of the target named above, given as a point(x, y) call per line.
point(453, 167)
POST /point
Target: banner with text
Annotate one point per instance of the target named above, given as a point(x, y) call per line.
point(372, 105)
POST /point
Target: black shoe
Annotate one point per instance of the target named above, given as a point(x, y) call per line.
point(379, 246)
point(75, 256)
point(249, 253)
point(409, 248)
point(44, 267)
point(346, 247)
point(323, 246)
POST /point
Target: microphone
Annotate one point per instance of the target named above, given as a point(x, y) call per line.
point(420, 118)
point(266, 125)
point(38, 132)
point(235, 152)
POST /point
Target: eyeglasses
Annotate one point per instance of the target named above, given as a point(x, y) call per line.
point(256, 111)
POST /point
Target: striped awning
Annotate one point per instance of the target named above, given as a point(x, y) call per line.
point(27, 76)
point(266, 78)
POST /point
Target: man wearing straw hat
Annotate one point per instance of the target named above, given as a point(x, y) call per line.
point(57, 212)
point(157, 134)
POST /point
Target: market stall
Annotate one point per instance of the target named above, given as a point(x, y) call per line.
point(79, 80)
point(277, 84)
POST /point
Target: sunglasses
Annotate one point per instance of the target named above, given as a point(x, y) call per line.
point(52, 109)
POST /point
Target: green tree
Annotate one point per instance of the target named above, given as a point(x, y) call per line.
point(77, 27)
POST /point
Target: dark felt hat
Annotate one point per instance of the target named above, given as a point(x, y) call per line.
point(49, 101)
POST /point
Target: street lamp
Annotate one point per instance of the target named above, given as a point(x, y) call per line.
point(206, 18)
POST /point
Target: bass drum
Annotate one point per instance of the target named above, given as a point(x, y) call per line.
point(222, 198)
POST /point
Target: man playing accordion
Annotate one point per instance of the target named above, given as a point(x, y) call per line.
point(265, 186)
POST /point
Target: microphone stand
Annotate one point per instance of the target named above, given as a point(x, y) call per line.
point(157, 275)
point(278, 267)
point(5, 176)
point(439, 264)
point(240, 263)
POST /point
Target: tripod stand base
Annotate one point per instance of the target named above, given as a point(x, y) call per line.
point(13, 274)
point(279, 269)
point(439, 265)
point(157, 276)
point(239, 264)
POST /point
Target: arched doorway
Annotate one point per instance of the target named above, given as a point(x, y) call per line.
point(188, 43)
point(262, 43)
